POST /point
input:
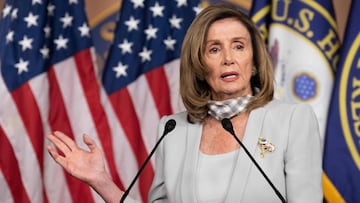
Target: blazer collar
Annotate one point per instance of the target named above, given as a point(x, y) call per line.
point(188, 180)
point(242, 166)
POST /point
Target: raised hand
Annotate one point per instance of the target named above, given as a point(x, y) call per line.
point(87, 166)
point(84, 165)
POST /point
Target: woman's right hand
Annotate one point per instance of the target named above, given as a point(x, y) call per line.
point(87, 166)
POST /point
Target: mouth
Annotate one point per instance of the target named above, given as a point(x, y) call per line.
point(229, 75)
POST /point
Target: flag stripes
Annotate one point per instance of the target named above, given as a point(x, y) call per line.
point(159, 90)
point(16, 133)
point(64, 99)
point(131, 126)
point(14, 189)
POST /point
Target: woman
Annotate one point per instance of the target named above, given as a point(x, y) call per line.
point(225, 73)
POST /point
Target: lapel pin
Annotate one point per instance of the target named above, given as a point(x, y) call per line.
point(265, 146)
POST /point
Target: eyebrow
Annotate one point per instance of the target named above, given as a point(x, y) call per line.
point(216, 41)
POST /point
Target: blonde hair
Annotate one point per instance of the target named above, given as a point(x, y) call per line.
point(194, 89)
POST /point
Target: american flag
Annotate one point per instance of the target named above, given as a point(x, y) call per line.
point(141, 79)
point(47, 83)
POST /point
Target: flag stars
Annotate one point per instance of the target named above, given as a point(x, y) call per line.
point(31, 20)
point(151, 32)
point(6, 11)
point(45, 52)
point(50, 9)
point(14, 13)
point(84, 30)
point(145, 55)
point(36, 2)
point(120, 70)
point(169, 43)
point(138, 3)
point(132, 24)
point(175, 22)
point(10, 36)
point(157, 10)
point(22, 66)
point(47, 31)
point(197, 9)
point(125, 47)
point(26, 43)
point(67, 20)
point(30, 41)
point(181, 3)
point(61, 42)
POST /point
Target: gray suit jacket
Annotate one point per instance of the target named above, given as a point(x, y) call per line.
point(295, 167)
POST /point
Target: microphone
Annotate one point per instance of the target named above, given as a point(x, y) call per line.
point(227, 125)
point(169, 126)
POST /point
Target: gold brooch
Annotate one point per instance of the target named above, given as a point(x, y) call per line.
point(265, 146)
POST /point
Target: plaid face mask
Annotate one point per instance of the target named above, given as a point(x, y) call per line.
point(228, 108)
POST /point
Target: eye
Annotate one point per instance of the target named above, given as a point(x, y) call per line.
point(213, 50)
point(239, 46)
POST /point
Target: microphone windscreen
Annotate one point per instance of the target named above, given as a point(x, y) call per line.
point(169, 126)
point(226, 123)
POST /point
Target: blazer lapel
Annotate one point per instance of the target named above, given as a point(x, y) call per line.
point(188, 180)
point(244, 164)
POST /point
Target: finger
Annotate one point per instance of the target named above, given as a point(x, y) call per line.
point(90, 143)
point(56, 156)
point(59, 144)
point(66, 139)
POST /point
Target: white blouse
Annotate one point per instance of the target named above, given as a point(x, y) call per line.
point(213, 176)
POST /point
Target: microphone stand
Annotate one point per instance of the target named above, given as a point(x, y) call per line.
point(169, 126)
point(227, 125)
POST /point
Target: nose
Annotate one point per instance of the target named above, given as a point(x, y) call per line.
point(228, 62)
point(227, 58)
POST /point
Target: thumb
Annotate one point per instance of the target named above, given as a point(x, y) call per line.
point(89, 142)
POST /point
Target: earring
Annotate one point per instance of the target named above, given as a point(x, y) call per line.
point(254, 71)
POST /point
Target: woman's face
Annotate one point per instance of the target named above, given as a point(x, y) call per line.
point(229, 59)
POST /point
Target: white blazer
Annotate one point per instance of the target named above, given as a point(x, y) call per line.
point(294, 167)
